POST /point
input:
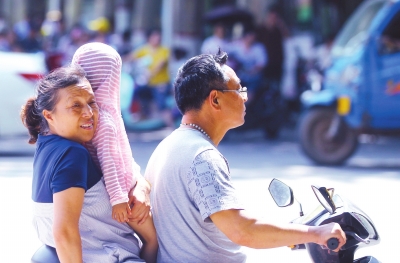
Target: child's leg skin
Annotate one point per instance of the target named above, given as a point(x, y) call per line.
point(148, 235)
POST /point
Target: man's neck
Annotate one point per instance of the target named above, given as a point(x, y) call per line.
point(207, 123)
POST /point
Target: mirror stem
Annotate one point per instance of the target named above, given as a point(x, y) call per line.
point(301, 208)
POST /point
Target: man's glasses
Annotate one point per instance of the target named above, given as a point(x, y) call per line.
point(242, 91)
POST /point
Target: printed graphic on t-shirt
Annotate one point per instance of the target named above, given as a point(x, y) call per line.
point(209, 184)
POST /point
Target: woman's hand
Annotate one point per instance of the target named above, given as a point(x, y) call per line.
point(139, 201)
point(67, 211)
point(120, 212)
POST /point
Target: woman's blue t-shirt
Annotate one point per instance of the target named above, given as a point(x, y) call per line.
point(60, 164)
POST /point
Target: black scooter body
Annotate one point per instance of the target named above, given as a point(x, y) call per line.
point(351, 219)
point(359, 228)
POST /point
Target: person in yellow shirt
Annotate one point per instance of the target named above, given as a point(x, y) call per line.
point(153, 83)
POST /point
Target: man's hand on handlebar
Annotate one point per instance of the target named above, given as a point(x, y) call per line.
point(328, 231)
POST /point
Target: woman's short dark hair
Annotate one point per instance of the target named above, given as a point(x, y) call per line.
point(46, 98)
point(197, 78)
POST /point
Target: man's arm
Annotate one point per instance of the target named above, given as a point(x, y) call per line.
point(67, 210)
point(247, 231)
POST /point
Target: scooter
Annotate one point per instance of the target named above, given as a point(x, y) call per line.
point(359, 228)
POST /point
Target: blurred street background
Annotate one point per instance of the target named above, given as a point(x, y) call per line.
point(272, 45)
point(280, 49)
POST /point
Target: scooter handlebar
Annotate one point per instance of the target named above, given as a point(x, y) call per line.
point(333, 243)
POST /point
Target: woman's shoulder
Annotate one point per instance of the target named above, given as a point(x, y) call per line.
point(53, 138)
point(59, 144)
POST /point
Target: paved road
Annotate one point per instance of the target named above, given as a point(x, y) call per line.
point(370, 179)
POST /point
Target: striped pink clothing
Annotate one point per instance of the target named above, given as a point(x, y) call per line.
point(109, 147)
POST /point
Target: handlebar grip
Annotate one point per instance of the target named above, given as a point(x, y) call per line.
point(333, 243)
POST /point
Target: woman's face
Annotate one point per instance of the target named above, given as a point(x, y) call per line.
point(76, 113)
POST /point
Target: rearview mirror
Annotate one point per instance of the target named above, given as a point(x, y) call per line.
point(324, 196)
point(281, 193)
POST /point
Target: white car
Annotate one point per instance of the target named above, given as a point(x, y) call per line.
point(19, 73)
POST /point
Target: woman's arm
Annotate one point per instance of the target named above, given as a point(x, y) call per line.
point(67, 210)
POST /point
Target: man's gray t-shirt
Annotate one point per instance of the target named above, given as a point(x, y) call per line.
point(190, 181)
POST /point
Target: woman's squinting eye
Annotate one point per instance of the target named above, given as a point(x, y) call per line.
point(93, 104)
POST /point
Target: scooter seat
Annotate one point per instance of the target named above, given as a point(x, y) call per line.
point(45, 254)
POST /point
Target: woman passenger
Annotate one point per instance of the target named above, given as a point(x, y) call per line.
point(71, 205)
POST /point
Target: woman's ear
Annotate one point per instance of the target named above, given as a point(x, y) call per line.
point(47, 115)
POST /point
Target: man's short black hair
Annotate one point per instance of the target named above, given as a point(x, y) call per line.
point(197, 78)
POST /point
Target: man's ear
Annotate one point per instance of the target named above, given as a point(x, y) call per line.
point(213, 99)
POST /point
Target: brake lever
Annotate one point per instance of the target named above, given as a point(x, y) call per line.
point(357, 237)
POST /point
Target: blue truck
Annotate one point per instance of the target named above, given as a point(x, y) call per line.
point(361, 88)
